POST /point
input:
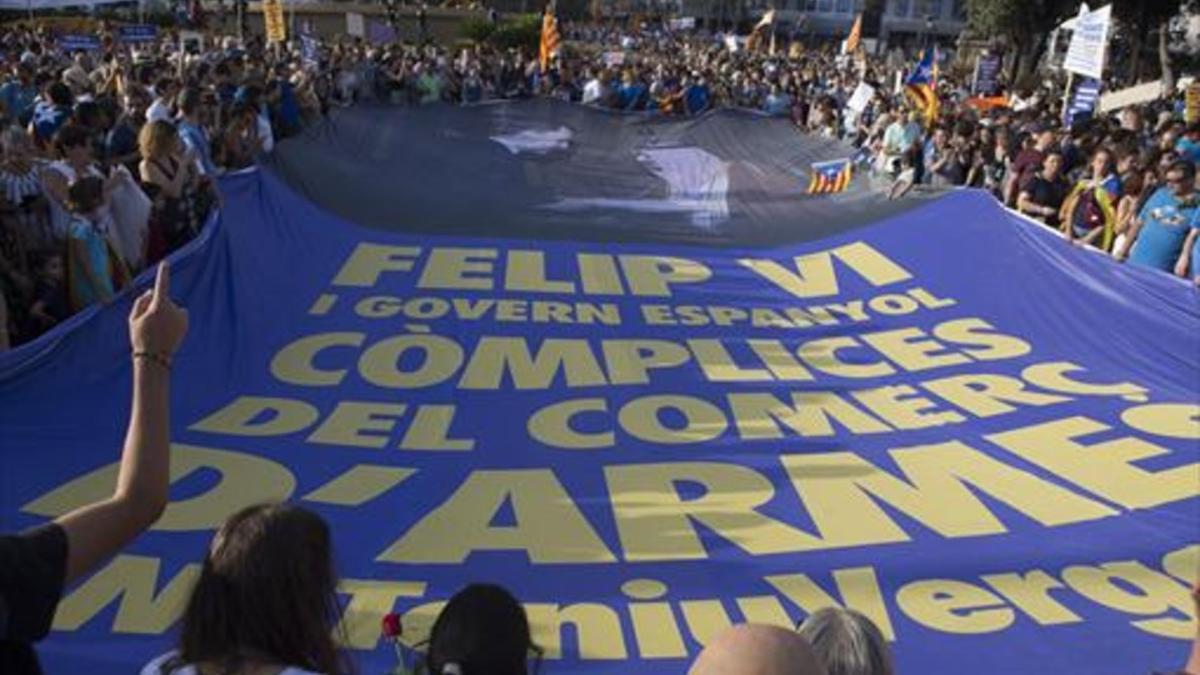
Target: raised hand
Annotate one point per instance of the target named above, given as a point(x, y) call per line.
point(156, 324)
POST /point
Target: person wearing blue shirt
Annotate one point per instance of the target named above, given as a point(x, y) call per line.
point(287, 108)
point(1166, 222)
point(632, 93)
point(49, 118)
point(1188, 146)
point(19, 93)
point(192, 133)
point(778, 103)
point(696, 95)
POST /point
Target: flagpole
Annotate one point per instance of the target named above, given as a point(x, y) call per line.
point(1067, 93)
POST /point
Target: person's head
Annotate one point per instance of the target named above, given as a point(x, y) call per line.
point(1102, 163)
point(74, 143)
point(136, 102)
point(49, 265)
point(1180, 177)
point(1043, 139)
point(1132, 183)
point(190, 103)
point(940, 137)
point(1052, 165)
point(89, 115)
point(1131, 119)
point(914, 116)
point(749, 649)
point(85, 195)
point(15, 143)
point(484, 631)
point(847, 642)
point(267, 591)
point(166, 88)
point(60, 94)
point(158, 139)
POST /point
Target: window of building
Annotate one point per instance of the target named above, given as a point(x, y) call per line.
point(934, 7)
point(845, 6)
point(900, 7)
point(810, 5)
point(825, 5)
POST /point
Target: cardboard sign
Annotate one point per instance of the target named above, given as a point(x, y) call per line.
point(273, 19)
point(1089, 42)
point(861, 97)
point(355, 26)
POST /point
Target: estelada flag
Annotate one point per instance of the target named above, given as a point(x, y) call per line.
point(855, 36)
point(832, 176)
point(551, 40)
point(920, 86)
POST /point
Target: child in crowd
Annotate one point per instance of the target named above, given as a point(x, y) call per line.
point(95, 273)
point(50, 305)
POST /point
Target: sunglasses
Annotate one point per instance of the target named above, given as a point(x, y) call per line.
point(414, 659)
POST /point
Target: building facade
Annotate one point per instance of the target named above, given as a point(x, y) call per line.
point(901, 21)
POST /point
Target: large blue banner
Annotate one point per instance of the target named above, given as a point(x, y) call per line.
point(982, 437)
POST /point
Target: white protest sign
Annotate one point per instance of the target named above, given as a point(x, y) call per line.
point(614, 59)
point(1089, 41)
point(354, 25)
point(861, 97)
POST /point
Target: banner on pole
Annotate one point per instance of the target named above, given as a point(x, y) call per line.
point(137, 34)
point(1085, 52)
point(272, 11)
point(1191, 110)
point(987, 75)
point(1083, 102)
point(79, 43)
point(354, 25)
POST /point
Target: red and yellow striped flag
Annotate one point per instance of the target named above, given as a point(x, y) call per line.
point(550, 38)
point(828, 177)
point(855, 36)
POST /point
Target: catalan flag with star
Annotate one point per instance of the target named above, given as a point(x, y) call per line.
point(830, 177)
point(921, 86)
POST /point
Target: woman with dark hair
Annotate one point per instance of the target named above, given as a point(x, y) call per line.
point(483, 630)
point(265, 601)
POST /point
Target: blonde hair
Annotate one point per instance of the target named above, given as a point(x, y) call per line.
point(157, 139)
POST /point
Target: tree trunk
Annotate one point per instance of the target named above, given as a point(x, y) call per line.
point(1137, 43)
point(1029, 50)
point(1164, 59)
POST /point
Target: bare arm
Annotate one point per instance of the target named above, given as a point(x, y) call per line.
point(1025, 204)
point(99, 530)
point(1185, 256)
point(1135, 226)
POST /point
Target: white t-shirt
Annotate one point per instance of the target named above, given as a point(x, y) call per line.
point(155, 668)
point(158, 110)
point(593, 91)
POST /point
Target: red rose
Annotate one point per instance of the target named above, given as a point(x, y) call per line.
point(391, 626)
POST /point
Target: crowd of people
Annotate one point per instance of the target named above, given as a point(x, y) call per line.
point(109, 160)
point(109, 157)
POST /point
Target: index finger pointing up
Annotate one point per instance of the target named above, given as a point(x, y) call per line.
point(162, 283)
